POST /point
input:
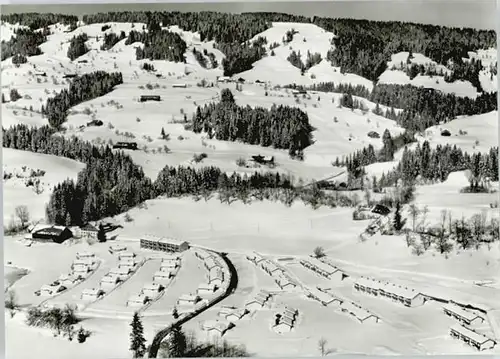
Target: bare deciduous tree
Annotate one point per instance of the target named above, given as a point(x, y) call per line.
point(414, 213)
point(319, 252)
point(23, 214)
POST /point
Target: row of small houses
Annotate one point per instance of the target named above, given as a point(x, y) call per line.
point(286, 320)
point(326, 270)
point(216, 271)
point(399, 294)
point(281, 278)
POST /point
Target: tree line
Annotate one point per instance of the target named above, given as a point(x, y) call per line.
point(82, 88)
point(111, 39)
point(280, 126)
point(77, 46)
point(158, 45)
point(36, 21)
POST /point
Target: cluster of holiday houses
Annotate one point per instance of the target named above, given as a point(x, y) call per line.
point(399, 294)
point(281, 278)
point(323, 269)
point(84, 264)
point(463, 330)
point(286, 320)
point(345, 306)
point(169, 267)
point(258, 302)
point(217, 273)
point(149, 292)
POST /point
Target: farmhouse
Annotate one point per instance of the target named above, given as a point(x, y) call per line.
point(164, 244)
point(137, 300)
point(216, 327)
point(462, 315)
point(358, 312)
point(206, 289)
point(179, 86)
point(125, 145)
point(110, 280)
point(151, 290)
point(403, 295)
point(145, 98)
point(188, 299)
point(121, 272)
point(117, 248)
point(162, 275)
point(57, 234)
point(92, 294)
point(472, 338)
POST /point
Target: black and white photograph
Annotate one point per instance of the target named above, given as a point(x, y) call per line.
point(250, 179)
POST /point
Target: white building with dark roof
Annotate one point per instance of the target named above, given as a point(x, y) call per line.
point(472, 338)
point(462, 315)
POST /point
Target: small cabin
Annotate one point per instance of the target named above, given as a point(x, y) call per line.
point(263, 159)
point(445, 133)
point(110, 280)
point(163, 275)
point(145, 98)
point(69, 76)
point(121, 272)
point(47, 290)
point(179, 86)
point(43, 74)
point(206, 289)
point(83, 61)
point(92, 294)
point(188, 299)
point(117, 248)
point(137, 300)
point(125, 145)
point(151, 290)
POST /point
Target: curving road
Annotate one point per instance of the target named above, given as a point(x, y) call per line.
point(233, 284)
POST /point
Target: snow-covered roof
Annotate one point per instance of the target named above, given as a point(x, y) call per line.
point(47, 288)
point(207, 286)
point(321, 296)
point(81, 255)
point(211, 262)
point(118, 247)
point(163, 274)
point(203, 254)
point(92, 291)
point(218, 325)
point(239, 313)
point(80, 267)
point(387, 287)
point(126, 254)
point(460, 311)
point(329, 263)
point(83, 261)
point(137, 298)
point(151, 286)
point(287, 321)
point(258, 300)
point(471, 334)
point(356, 310)
point(120, 270)
point(270, 266)
point(255, 257)
point(173, 241)
point(171, 257)
point(189, 297)
point(65, 277)
point(109, 278)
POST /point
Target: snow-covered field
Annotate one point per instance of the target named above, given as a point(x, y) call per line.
point(239, 229)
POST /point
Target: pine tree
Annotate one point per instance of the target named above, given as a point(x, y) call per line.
point(177, 343)
point(398, 223)
point(101, 234)
point(137, 341)
point(162, 133)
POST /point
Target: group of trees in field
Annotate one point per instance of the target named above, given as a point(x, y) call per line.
point(111, 39)
point(25, 43)
point(159, 44)
point(109, 184)
point(240, 57)
point(82, 88)
point(201, 57)
point(77, 46)
point(467, 71)
point(280, 126)
point(296, 60)
point(36, 21)
point(364, 47)
point(448, 233)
